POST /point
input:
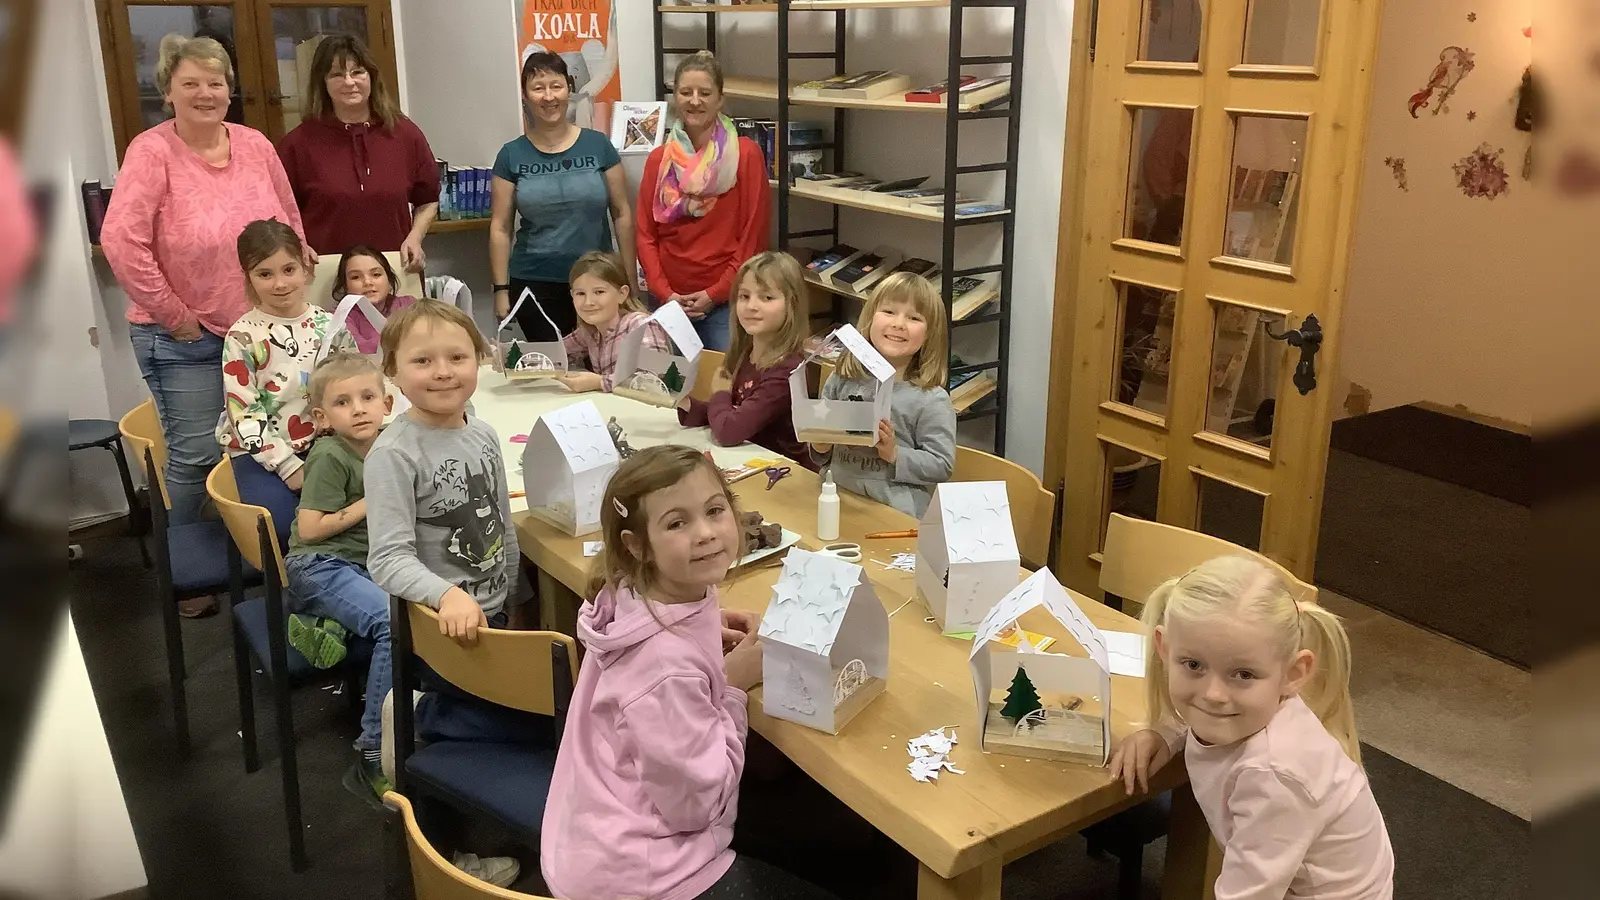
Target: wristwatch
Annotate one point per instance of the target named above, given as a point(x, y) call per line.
point(502, 287)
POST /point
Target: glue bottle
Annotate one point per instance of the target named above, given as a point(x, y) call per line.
point(828, 510)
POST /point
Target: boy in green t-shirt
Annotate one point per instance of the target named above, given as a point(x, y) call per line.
point(327, 562)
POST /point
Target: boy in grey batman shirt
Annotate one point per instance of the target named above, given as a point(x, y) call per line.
point(925, 452)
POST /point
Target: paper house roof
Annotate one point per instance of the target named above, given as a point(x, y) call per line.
point(966, 552)
point(811, 599)
point(567, 461)
point(636, 361)
point(838, 417)
point(358, 305)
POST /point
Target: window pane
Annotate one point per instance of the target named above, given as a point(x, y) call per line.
point(1282, 32)
point(1170, 31)
point(1268, 152)
point(1144, 362)
point(149, 24)
point(1158, 174)
point(1133, 485)
point(1230, 513)
point(1244, 373)
point(296, 31)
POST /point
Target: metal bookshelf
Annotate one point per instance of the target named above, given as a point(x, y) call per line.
point(1007, 107)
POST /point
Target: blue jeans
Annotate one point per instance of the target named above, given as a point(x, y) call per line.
point(713, 329)
point(324, 585)
point(258, 487)
point(185, 378)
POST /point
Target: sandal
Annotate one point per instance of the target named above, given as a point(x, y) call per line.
point(197, 607)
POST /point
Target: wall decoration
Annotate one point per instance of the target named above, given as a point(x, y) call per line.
point(1397, 165)
point(1482, 173)
point(1454, 64)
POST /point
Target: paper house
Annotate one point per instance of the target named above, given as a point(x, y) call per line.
point(566, 463)
point(356, 304)
point(1042, 705)
point(852, 421)
point(825, 642)
point(654, 376)
point(528, 360)
point(966, 553)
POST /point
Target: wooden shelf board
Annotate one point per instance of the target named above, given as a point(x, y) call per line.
point(767, 89)
point(987, 385)
point(447, 226)
point(796, 5)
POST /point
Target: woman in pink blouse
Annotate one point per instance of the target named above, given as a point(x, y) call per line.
point(187, 188)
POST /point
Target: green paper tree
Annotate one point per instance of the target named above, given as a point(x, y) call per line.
point(673, 379)
point(513, 356)
point(1021, 699)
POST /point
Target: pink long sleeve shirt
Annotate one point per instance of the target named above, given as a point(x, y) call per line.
point(646, 784)
point(1294, 815)
point(171, 233)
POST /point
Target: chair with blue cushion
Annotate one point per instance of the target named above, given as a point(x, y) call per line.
point(414, 870)
point(530, 671)
point(261, 637)
point(190, 560)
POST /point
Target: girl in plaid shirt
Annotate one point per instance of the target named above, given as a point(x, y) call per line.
point(607, 312)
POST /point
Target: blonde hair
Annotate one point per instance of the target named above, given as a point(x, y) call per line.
point(930, 365)
point(640, 475)
point(772, 269)
point(698, 61)
point(1243, 588)
point(424, 310)
point(339, 365)
point(608, 268)
point(351, 50)
point(204, 51)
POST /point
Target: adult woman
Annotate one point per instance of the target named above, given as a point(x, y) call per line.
point(565, 181)
point(362, 172)
point(186, 190)
point(704, 203)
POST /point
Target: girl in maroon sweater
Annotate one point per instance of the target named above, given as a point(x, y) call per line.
point(750, 392)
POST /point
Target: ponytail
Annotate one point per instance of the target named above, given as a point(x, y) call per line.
point(1327, 691)
point(1158, 700)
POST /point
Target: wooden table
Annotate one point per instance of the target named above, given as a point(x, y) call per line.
point(963, 828)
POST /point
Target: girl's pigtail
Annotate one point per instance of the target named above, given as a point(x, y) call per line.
point(1158, 702)
point(1327, 693)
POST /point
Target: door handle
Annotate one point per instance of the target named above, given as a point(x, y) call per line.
point(1308, 337)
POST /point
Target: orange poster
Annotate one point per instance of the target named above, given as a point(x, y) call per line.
point(584, 34)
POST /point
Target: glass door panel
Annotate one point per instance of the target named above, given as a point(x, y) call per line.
point(148, 25)
point(294, 33)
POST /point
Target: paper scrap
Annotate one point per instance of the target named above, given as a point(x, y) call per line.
point(518, 439)
point(930, 752)
point(905, 562)
point(593, 548)
point(1126, 652)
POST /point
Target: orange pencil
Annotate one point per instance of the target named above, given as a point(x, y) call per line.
point(885, 535)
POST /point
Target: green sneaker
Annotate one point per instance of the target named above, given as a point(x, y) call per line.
point(366, 780)
point(319, 640)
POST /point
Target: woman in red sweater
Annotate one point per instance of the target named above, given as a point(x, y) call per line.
point(704, 204)
point(362, 173)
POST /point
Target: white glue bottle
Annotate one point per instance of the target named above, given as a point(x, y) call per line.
point(828, 510)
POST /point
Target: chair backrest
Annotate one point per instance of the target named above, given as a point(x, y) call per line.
point(141, 430)
point(320, 291)
point(1031, 505)
point(244, 521)
point(418, 866)
point(1139, 555)
point(511, 668)
point(710, 361)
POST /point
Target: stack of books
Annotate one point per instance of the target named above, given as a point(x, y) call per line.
point(801, 134)
point(864, 86)
point(464, 192)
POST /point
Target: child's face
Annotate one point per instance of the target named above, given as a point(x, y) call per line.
point(898, 331)
point(279, 285)
point(1226, 676)
point(436, 367)
point(354, 407)
point(596, 301)
point(762, 308)
point(693, 537)
point(365, 276)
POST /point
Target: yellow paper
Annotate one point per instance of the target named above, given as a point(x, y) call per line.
point(1010, 637)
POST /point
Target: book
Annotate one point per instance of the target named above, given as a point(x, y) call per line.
point(638, 127)
point(803, 163)
point(977, 208)
point(802, 135)
point(916, 265)
point(934, 93)
point(830, 257)
point(899, 184)
point(865, 86)
point(985, 90)
point(824, 177)
point(767, 131)
point(967, 395)
point(969, 295)
point(855, 184)
point(919, 194)
point(94, 208)
point(813, 89)
point(861, 273)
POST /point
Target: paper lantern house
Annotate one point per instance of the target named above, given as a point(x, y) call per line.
point(1035, 704)
point(852, 421)
point(825, 642)
point(566, 463)
point(966, 553)
point(528, 360)
point(356, 304)
point(654, 376)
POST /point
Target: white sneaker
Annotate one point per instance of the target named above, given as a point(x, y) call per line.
point(387, 741)
point(500, 871)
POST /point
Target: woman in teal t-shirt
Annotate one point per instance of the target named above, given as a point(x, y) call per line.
point(564, 181)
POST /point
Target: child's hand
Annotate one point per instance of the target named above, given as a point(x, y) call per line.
point(743, 663)
point(737, 624)
point(580, 382)
point(1139, 756)
point(293, 482)
point(460, 616)
point(886, 446)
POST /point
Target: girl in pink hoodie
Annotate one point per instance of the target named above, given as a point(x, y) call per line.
point(1253, 686)
point(646, 784)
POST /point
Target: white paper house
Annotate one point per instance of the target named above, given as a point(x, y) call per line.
point(825, 642)
point(356, 304)
point(852, 422)
point(566, 463)
point(966, 553)
point(654, 376)
point(527, 360)
point(1072, 718)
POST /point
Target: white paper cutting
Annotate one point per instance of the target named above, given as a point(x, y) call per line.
point(930, 753)
point(593, 548)
point(864, 352)
point(1125, 650)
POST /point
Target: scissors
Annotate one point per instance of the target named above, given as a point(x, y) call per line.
point(843, 550)
point(776, 474)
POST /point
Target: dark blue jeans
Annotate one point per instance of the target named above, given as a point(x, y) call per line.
point(185, 379)
point(258, 487)
point(338, 589)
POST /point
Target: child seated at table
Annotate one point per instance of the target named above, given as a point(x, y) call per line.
point(750, 391)
point(645, 790)
point(365, 271)
point(916, 447)
point(607, 312)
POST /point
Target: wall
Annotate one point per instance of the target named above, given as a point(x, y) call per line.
point(1438, 279)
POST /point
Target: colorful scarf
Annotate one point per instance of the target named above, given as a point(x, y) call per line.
point(690, 181)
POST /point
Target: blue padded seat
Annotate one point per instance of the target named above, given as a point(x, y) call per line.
point(199, 554)
point(250, 617)
point(510, 781)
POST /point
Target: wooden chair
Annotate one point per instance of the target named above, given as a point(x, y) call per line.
point(261, 636)
point(710, 361)
point(1139, 555)
point(1032, 507)
point(326, 275)
point(416, 871)
point(531, 671)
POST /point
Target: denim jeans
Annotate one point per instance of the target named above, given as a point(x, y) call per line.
point(324, 585)
point(713, 329)
point(185, 378)
point(258, 487)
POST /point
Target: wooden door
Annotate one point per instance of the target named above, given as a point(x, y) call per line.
point(1220, 172)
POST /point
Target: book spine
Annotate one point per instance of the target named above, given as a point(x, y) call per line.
point(481, 186)
point(94, 209)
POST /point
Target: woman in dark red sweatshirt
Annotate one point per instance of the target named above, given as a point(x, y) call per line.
point(750, 393)
point(704, 203)
point(362, 173)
